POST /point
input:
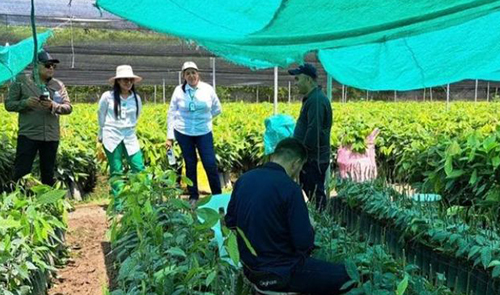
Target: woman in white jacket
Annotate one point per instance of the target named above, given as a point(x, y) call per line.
point(119, 110)
point(193, 106)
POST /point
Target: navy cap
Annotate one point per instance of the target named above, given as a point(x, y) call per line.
point(306, 69)
point(44, 57)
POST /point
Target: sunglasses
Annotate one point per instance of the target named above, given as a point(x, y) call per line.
point(48, 66)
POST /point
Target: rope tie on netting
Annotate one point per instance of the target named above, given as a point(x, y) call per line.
point(35, 45)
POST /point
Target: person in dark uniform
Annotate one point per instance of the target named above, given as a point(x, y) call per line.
point(269, 207)
point(313, 130)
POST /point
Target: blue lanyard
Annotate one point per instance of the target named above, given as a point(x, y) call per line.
point(192, 105)
point(191, 94)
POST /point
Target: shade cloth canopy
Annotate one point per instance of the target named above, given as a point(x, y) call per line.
point(369, 44)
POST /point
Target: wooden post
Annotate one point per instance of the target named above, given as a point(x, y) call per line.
point(257, 94)
point(430, 91)
point(424, 93)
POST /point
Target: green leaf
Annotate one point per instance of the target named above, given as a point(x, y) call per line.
point(51, 197)
point(473, 177)
point(402, 286)
point(247, 242)
point(455, 174)
point(448, 166)
point(232, 248)
point(496, 272)
point(453, 149)
point(209, 217)
point(203, 201)
point(176, 251)
point(473, 251)
point(486, 256)
point(180, 204)
point(352, 270)
point(494, 263)
point(495, 161)
point(489, 143)
point(9, 223)
point(210, 278)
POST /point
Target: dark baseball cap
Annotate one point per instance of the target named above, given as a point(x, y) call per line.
point(44, 57)
point(306, 69)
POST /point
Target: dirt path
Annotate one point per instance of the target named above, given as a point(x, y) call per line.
point(88, 272)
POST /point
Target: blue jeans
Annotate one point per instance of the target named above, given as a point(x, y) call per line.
point(205, 146)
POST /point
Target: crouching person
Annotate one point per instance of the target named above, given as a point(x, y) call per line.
point(268, 206)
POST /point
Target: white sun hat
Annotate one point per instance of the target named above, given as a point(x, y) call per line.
point(189, 65)
point(124, 71)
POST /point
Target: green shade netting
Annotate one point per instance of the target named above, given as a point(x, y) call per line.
point(467, 51)
point(15, 58)
point(262, 34)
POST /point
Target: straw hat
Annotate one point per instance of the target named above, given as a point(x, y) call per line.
point(124, 71)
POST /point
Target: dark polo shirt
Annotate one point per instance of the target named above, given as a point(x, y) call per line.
point(314, 126)
point(268, 206)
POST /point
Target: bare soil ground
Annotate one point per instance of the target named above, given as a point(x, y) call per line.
point(89, 270)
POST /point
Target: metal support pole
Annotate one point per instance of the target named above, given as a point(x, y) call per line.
point(343, 91)
point(430, 91)
point(329, 86)
point(424, 92)
point(289, 91)
point(164, 98)
point(275, 90)
point(257, 94)
point(475, 91)
point(395, 95)
point(488, 92)
point(155, 94)
point(367, 94)
point(180, 77)
point(213, 71)
point(447, 96)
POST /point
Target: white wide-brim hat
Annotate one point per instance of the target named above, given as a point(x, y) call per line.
point(189, 65)
point(124, 71)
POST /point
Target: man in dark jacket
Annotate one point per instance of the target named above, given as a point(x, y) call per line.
point(313, 130)
point(268, 206)
point(39, 107)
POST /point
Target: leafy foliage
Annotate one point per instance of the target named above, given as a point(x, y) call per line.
point(31, 228)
